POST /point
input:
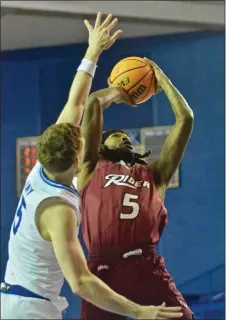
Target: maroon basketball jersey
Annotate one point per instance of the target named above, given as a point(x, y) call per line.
point(121, 207)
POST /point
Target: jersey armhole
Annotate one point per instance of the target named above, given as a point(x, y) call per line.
point(55, 201)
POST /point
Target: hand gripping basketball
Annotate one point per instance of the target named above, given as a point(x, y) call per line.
point(160, 76)
point(136, 77)
point(124, 97)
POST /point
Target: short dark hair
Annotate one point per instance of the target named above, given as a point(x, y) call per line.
point(59, 146)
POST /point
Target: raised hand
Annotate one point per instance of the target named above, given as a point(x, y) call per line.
point(160, 76)
point(99, 35)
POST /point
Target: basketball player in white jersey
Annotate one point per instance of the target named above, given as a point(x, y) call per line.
point(44, 247)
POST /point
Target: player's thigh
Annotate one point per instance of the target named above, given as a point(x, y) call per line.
point(17, 307)
point(150, 284)
point(158, 287)
point(90, 312)
point(172, 297)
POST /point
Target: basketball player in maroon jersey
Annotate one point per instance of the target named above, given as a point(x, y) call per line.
point(122, 202)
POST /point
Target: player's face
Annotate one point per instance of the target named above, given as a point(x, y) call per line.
point(118, 140)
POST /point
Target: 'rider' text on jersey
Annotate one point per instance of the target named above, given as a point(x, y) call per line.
point(125, 180)
point(120, 207)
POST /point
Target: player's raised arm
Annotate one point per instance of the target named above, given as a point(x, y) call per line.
point(61, 231)
point(99, 40)
point(176, 142)
point(92, 126)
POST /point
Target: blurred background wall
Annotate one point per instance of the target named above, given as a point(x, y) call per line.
point(42, 44)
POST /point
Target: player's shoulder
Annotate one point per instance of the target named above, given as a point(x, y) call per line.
point(43, 183)
point(35, 171)
point(54, 204)
point(104, 164)
point(144, 167)
point(144, 171)
point(59, 192)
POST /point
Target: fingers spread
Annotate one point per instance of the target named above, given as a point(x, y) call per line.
point(116, 35)
point(112, 40)
point(112, 24)
point(88, 25)
point(98, 20)
point(106, 21)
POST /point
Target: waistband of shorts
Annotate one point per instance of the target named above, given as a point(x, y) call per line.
point(19, 291)
point(119, 253)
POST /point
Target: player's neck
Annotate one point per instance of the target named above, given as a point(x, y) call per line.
point(126, 164)
point(64, 177)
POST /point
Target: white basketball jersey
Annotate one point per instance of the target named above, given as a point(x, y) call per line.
point(32, 262)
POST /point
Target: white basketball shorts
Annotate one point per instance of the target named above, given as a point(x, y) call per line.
point(18, 307)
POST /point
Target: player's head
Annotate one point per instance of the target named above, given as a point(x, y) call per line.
point(61, 148)
point(116, 139)
point(116, 145)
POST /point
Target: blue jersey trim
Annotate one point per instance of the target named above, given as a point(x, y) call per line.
point(20, 291)
point(57, 184)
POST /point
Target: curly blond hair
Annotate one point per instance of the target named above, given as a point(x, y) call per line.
point(59, 146)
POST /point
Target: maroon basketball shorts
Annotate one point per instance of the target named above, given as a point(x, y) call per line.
point(142, 279)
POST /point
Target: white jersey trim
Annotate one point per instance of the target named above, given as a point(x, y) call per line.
point(56, 184)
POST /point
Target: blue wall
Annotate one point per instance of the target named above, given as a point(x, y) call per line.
point(20, 101)
point(35, 85)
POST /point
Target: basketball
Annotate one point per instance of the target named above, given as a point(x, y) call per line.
point(136, 77)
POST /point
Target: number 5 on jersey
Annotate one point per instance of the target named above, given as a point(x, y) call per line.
point(19, 214)
point(130, 201)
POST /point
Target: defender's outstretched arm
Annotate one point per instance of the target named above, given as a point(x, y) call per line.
point(99, 40)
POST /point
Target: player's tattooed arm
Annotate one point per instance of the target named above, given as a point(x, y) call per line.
point(99, 40)
point(92, 127)
point(174, 147)
point(60, 229)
